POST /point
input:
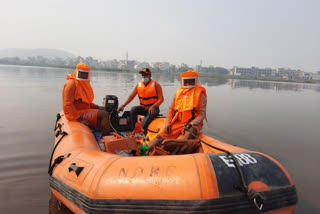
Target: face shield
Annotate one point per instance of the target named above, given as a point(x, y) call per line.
point(83, 75)
point(188, 82)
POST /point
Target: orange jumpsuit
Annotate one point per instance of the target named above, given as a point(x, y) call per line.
point(73, 101)
point(179, 114)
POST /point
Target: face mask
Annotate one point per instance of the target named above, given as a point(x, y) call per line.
point(146, 79)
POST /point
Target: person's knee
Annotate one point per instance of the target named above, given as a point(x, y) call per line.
point(152, 116)
point(159, 137)
point(106, 115)
point(103, 115)
point(134, 108)
point(156, 113)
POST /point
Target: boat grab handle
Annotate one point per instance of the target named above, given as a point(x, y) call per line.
point(76, 169)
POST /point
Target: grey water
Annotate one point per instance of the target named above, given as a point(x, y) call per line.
point(279, 119)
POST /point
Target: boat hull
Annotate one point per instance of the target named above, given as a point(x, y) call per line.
point(92, 181)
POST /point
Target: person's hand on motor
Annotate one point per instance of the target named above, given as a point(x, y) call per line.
point(120, 108)
point(167, 129)
point(152, 110)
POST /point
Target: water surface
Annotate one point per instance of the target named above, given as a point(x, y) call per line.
point(279, 119)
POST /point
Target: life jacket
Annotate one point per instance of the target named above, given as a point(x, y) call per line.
point(147, 94)
point(187, 103)
point(83, 91)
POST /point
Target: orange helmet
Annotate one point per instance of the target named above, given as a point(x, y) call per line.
point(82, 66)
point(83, 72)
point(189, 79)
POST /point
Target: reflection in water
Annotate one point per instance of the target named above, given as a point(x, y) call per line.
point(55, 207)
point(212, 81)
point(277, 86)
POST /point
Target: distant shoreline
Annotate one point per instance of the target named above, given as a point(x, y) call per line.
point(70, 67)
point(200, 74)
point(259, 79)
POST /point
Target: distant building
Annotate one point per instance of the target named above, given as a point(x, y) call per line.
point(113, 63)
point(164, 66)
point(312, 76)
point(316, 75)
point(122, 64)
point(172, 68)
point(127, 64)
point(161, 66)
point(198, 68)
point(307, 76)
point(183, 68)
point(290, 74)
point(142, 65)
point(252, 72)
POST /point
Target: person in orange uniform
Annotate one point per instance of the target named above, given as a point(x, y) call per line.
point(188, 109)
point(150, 97)
point(77, 97)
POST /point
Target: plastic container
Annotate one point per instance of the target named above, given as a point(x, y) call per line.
point(144, 148)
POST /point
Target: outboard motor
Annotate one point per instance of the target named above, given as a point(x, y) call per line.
point(118, 123)
point(111, 103)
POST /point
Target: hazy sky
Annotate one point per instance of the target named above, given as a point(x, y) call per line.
point(265, 33)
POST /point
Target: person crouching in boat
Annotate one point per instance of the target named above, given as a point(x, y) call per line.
point(188, 110)
point(150, 97)
point(77, 97)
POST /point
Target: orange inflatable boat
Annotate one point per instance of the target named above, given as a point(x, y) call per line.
point(219, 178)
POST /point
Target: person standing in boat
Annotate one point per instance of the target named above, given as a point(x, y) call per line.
point(150, 97)
point(188, 110)
point(77, 97)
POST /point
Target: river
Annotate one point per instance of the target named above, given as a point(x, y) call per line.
point(279, 119)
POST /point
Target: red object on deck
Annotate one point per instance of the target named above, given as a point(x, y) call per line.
point(137, 128)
